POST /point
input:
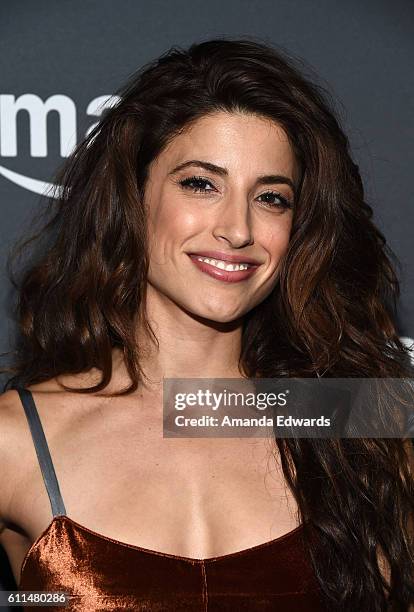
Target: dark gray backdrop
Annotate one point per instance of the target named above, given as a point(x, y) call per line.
point(82, 50)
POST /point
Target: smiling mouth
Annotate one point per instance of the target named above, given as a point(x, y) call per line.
point(223, 264)
point(221, 270)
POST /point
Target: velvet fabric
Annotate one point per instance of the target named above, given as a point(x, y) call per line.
point(100, 573)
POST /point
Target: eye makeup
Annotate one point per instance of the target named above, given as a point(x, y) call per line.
point(198, 184)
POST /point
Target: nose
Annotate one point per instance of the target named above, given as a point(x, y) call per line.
point(233, 222)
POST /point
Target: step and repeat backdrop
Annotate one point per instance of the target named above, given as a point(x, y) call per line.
point(62, 61)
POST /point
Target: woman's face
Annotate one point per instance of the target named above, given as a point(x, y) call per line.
point(225, 184)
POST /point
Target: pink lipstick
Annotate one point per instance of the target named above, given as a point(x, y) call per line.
point(227, 276)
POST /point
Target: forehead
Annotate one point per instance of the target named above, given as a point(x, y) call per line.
point(235, 141)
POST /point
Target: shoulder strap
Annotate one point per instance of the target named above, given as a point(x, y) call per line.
point(42, 451)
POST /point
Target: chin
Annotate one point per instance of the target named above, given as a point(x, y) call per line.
point(212, 315)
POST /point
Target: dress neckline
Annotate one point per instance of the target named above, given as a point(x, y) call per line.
point(193, 560)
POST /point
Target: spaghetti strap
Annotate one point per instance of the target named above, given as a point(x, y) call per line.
point(42, 451)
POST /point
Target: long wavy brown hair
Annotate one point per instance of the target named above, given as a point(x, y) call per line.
point(332, 312)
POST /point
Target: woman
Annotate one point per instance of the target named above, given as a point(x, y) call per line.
point(224, 151)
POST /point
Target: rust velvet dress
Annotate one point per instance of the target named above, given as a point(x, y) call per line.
point(100, 573)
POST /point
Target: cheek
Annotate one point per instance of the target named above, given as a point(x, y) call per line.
point(276, 240)
point(171, 225)
point(173, 213)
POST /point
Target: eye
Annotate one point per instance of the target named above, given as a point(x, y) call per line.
point(281, 201)
point(196, 184)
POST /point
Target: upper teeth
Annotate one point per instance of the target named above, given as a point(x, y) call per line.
point(218, 263)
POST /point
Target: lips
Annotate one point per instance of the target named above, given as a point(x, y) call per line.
point(225, 256)
point(219, 274)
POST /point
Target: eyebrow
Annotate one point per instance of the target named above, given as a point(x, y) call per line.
point(267, 179)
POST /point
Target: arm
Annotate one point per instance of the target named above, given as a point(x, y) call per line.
point(10, 445)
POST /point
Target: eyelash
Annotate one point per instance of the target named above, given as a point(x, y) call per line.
point(185, 184)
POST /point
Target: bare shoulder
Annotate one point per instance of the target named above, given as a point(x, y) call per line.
point(12, 442)
point(60, 411)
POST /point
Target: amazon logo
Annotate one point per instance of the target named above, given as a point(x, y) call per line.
point(37, 111)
